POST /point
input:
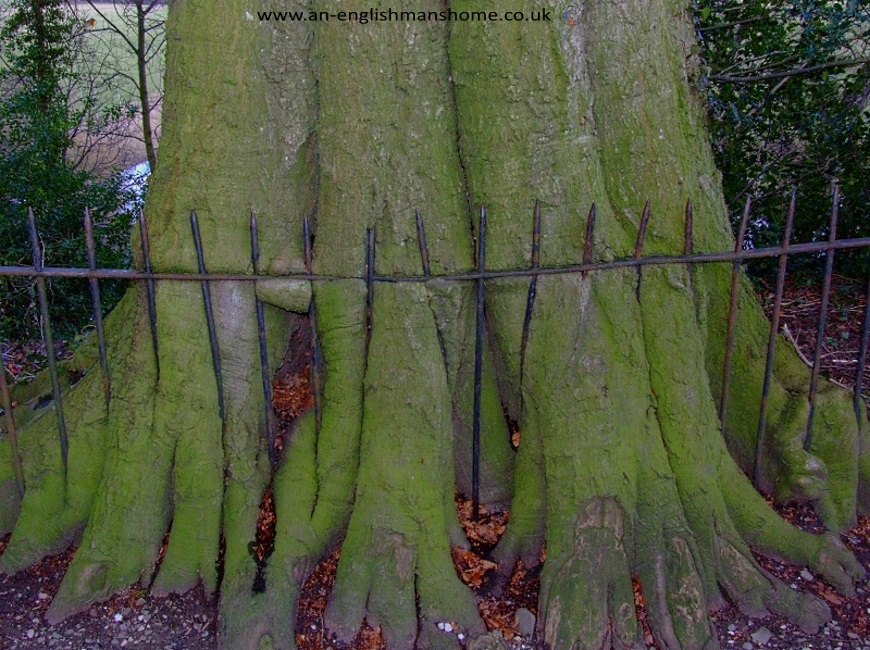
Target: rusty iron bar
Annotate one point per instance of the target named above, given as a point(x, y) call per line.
point(823, 316)
point(370, 284)
point(771, 343)
point(316, 383)
point(589, 243)
point(857, 402)
point(478, 367)
point(48, 339)
point(424, 248)
point(533, 285)
point(638, 246)
point(151, 303)
point(689, 242)
point(732, 315)
point(97, 308)
point(688, 249)
point(10, 429)
point(630, 262)
point(209, 315)
point(265, 375)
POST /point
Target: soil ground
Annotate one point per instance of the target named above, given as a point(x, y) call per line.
point(134, 618)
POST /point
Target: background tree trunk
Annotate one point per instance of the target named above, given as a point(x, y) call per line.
point(622, 469)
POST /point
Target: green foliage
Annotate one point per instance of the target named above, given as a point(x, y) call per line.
point(37, 123)
point(788, 85)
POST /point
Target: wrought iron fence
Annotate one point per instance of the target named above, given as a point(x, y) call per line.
point(737, 257)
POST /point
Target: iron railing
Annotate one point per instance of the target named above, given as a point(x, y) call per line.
point(737, 257)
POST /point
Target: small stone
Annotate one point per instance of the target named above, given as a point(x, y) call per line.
point(806, 575)
point(441, 626)
point(525, 622)
point(448, 627)
point(42, 596)
point(732, 628)
point(117, 618)
point(852, 635)
point(761, 636)
point(140, 602)
point(93, 613)
point(460, 636)
point(747, 646)
point(30, 634)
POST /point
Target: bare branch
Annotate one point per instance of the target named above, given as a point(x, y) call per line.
point(788, 73)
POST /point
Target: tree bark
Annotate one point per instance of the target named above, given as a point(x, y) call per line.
point(622, 468)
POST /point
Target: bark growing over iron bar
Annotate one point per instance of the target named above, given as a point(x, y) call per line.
point(613, 337)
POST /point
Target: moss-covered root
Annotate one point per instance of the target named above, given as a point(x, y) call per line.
point(314, 488)
point(686, 417)
point(829, 473)
point(863, 496)
point(148, 418)
point(586, 596)
point(10, 497)
point(55, 507)
point(397, 549)
point(265, 620)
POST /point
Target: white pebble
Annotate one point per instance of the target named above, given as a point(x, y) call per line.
point(42, 595)
point(31, 634)
point(441, 626)
point(118, 618)
point(460, 636)
point(448, 627)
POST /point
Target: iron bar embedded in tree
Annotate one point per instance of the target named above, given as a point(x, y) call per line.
point(638, 246)
point(823, 317)
point(771, 343)
point(533, 285)
point(265, 375)
point(589, 243)
point(732, 315)
point(370, 283)
point(97, 309)
point(48, 339)
point(316, 385)
point(424, 248)
point(149, 286)
point(209, 314)
point(478, 367)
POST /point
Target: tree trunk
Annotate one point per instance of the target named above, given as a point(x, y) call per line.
point(622, 469)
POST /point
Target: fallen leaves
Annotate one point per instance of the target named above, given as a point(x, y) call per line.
point(472, 568)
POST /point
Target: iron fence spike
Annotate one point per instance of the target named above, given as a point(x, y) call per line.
point(823, 315)
point(209, 315)
point(771, 343)
point(589, 243)
point(150, 300)
point(48, 339)
point(97, 308)
point(478, 366)
point(265, 375)
point(732, 315)
point(424, 248)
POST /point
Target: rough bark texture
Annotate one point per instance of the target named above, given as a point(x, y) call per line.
point(622, 468)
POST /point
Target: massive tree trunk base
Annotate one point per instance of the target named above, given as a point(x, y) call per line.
point(623, 469)
point(636, 480)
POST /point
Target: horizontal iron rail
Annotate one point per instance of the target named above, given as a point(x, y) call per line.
point(629, 262)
